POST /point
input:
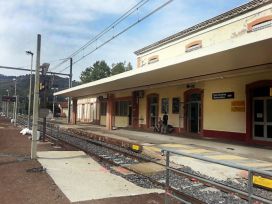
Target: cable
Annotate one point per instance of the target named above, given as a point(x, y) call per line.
point(26, 66)
point(120, 33)
point(106, 30)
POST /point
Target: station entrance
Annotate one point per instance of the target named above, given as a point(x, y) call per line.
point(153, 110)
point(193, 110)
point(262, 118)
point(259, 111)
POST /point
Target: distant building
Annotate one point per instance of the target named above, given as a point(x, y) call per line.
point(88, 111)
point(213, 79)
point(63, 106)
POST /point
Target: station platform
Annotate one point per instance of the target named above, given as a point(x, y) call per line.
point(251, 156)
point(81, 178)
point(60, 176)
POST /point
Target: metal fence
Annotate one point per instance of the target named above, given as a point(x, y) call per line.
point(248, 195)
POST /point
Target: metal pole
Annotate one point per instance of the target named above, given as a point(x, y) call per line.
point(167, 183)
point(16, 104)
point(250, 186)
point(15, 87)
point(44, 129)
point(53, 104)
point(29, 94)
point(70, 85)
point(8, 105)
point(36, 101)
point(15, 108)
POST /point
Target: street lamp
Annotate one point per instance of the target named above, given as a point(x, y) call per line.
point(14, 79)
point(7, 103)
point(30, 89)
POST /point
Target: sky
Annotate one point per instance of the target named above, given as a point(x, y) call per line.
point(66, 25)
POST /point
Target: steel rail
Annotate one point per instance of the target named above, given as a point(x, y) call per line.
point(246, 194)
point(219, 186)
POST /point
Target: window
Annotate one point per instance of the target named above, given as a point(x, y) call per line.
point(260, 23)
point(193, 46)
point(121, 108)
point(165, 105)
point(153, 59)
point(175, 105)
point(103, 108)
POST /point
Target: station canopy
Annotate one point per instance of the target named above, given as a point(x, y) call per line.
point(236, 55)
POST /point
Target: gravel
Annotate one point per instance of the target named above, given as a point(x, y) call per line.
point(118, 156)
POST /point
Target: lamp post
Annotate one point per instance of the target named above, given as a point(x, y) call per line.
point(36, 101)
point(30, 89)
point(7, 103)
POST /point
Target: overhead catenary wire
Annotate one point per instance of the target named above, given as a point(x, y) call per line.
point(120, 33)
point(28, 70)
point(106, 30)
point(23, 68)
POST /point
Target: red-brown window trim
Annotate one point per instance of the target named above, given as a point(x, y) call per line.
point(258, 21)
point(194, 43)
point(153, 59)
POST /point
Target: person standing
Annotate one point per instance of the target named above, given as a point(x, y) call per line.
point(164, 123)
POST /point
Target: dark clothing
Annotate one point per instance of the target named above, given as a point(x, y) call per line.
point(164, 123)
point(165, 119)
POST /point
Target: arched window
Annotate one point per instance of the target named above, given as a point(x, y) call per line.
point(193, 46)
point(260, 23)
point(153, 59)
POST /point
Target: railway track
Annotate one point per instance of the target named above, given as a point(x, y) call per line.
point(182, 184)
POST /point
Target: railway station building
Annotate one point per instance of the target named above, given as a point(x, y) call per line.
point(213, 79)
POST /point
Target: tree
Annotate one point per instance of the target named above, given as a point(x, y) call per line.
point(129, 67)
point(120, 67)
point(98, 70)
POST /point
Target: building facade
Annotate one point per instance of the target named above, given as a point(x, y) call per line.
point(213, 79)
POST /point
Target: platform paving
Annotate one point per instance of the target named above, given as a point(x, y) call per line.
point(81, 178)
point(153, 143)
point(21, 183)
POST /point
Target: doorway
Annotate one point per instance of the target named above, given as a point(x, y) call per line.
point(259, 111)
point(262, 118)
point(153, 110)
point(193, 111)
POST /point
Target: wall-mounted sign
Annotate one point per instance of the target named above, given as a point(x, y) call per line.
point(238, 106)
point(223, 95)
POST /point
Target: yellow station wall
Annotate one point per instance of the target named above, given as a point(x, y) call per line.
point(121, 121)
point(167, 92)
point(103, 120)
point(217, 113)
